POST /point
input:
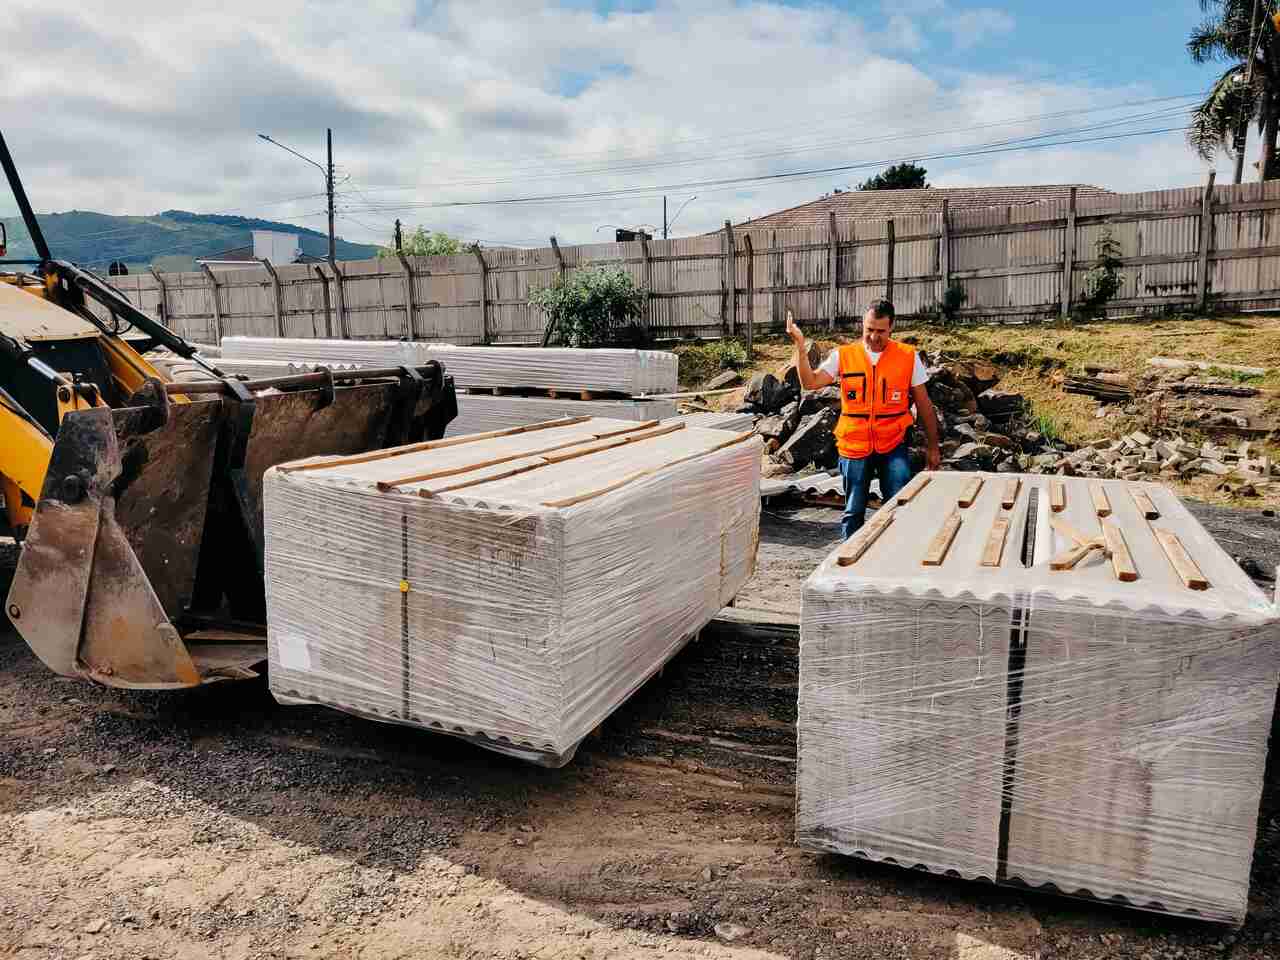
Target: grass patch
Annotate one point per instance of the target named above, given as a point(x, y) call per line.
point(1239, 376)
point(1047, 425)
point(700, 362)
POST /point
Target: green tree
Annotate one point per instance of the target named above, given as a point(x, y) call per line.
point(1227, 35)
point(590, 307)
point(900, 176)
point(422, 243)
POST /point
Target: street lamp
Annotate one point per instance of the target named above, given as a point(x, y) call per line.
point(328, 179)
point(667, 226)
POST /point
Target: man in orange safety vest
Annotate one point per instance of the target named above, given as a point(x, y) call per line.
point(879, 380)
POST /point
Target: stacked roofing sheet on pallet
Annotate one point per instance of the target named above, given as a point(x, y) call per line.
point(511, 589)
point(1100, 728)
point(606, 371)
point(479, 413)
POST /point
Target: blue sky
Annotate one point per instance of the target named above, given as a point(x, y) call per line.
point(444, 110)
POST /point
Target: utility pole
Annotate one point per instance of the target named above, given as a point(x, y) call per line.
point(329, 187)
point(664, 216)
point(399, 243)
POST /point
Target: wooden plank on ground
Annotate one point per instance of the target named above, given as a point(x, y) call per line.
point(993, 552)
point(1057, 496)
point(918, 483)
point(1069, 558)
point(1180, 560)
point(1143, 501)
point(852, 549)
point(1101, 505)
point(1121, 560)
point(970, 492)
point(941, 542)
point(1011, 488)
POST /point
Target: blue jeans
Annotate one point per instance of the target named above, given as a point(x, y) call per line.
point(893, 469)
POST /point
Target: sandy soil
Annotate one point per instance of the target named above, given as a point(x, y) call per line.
point(214, 823)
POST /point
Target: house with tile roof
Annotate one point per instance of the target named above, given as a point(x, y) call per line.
point(882, 204)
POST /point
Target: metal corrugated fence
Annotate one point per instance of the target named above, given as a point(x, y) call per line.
point(1013, 263)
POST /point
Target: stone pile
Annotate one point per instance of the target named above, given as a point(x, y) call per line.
point(1137, 456)
point(982, 428)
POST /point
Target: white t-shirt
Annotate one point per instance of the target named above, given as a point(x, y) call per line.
point(831, 365)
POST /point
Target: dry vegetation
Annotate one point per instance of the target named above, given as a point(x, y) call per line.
point(1031, 355)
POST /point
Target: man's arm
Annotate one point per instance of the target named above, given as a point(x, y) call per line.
point(809, 378)
point(933, 453)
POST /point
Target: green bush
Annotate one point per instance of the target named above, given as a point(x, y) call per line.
point(1103, 281)
point(591, 307)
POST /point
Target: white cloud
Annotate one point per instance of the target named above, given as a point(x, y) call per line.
point(969, 28)
point(138, 107)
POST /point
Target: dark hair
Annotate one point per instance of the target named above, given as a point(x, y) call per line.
point(882, 308)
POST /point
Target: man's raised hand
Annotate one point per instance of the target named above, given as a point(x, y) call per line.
point(794, 332)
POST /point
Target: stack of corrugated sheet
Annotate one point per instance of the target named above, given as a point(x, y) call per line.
point(479, 413)
point(606, 371)
point(266, 369)
point(1094, 719)
point(511, 589)
point(727, 420)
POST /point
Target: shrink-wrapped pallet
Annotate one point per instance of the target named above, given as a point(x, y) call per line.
point(509, 589)
point(481, 413)
point(1079, 702)
point(567, 369)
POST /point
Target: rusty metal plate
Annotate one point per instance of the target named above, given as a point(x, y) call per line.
point(291, 426)
point(47, 597)
point(163, 492)
point(128, 640)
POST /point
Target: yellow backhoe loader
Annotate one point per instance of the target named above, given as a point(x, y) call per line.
point(137, 500)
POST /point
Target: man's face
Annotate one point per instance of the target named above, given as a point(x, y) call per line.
point(876, 331)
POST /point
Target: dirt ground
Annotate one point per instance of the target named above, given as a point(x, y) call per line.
point(214, 823)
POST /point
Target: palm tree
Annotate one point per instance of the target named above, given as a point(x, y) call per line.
point(1230, 32)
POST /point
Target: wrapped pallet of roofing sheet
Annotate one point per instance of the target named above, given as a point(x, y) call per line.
point(510, 588)
point(1041, 681)
point(556, 369)
point(481, 413)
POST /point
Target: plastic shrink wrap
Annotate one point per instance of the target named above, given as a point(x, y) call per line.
point(480, 413)
point(991, 716)
point(611, 371)
point(512, 589)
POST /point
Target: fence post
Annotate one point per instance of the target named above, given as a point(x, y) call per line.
point(751, 292)
point(944, 251)
point(1069, 254)
point(648, 283)
point(775, 277)
point(217, 307)
point(891, 244)
point(484, 294)
point(328, 310)
point(833, 255)
point(344, 318)
point(549, 327)
point(277, 307)
point(162, 307)
point(1206, 239)
point(555, 248)
point(731, 278)
point(408, 296)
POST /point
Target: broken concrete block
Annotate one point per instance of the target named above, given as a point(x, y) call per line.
point(813, 441)
point(1216, 467)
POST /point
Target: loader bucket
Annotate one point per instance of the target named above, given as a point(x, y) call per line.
point(142, 567)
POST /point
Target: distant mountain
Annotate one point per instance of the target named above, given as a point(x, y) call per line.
point(172, 239)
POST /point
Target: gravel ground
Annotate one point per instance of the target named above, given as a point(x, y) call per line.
point(214, 823)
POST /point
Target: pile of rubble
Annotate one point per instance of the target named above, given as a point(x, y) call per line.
point(1137, 456)
point(982, 428)
point(1192, 394)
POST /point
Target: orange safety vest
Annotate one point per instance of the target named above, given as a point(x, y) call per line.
point(875, 399)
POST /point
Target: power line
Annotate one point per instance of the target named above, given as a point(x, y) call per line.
point(657, 189)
